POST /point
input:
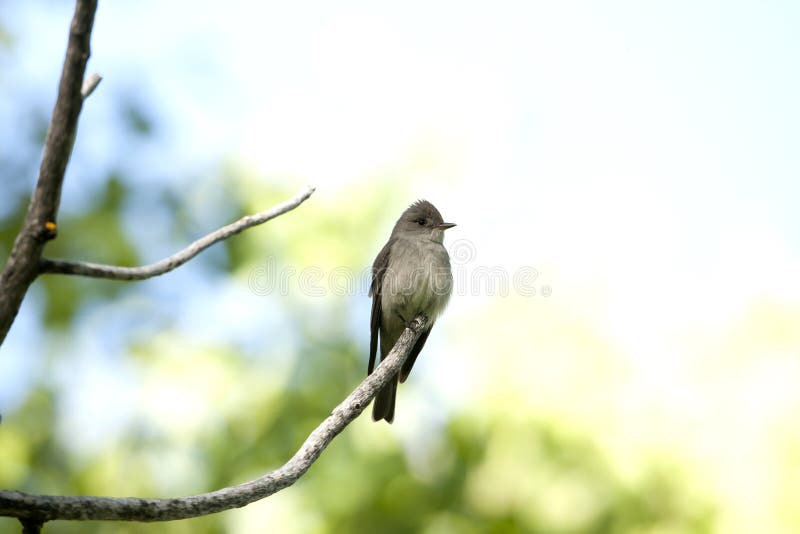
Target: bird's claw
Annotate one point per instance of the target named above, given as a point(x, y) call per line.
point(412, 324)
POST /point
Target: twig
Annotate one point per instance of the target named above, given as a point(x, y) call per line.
point(90, 84)
point(49, 507)
point(40, 222)
point(95, 270)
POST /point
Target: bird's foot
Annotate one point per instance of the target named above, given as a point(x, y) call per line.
point(412, 324)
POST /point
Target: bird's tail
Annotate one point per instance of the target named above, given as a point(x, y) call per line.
point(384, 402)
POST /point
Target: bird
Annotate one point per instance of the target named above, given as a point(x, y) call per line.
point(411, 275)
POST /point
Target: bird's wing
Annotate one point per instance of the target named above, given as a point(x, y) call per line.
point(375, 291)
point(412, 356)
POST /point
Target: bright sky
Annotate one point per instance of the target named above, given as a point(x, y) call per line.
point(584, 130)
point(643, 156)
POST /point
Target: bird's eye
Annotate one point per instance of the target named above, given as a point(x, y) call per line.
point(420, 221)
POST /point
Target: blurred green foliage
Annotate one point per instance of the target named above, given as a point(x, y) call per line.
point(503, 474)
point(499, 475)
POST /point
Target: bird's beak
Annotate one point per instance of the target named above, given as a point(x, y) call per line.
point(444, 226)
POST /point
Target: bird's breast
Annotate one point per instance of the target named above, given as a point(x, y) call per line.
point(418, 280)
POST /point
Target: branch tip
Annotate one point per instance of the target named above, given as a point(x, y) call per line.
point(113, 272)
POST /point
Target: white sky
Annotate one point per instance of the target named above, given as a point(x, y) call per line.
point(582, 128)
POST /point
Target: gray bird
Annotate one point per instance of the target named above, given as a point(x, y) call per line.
point(410, 276)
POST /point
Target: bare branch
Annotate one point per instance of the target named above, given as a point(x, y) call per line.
point(40, 222)
point(95, 270)
point(90, 84)
point(49, 507)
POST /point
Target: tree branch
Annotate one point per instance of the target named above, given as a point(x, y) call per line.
point(40, 222)
point(95, 270)
point(49, 507)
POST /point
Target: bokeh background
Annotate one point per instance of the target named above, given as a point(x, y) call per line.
point(622, 350)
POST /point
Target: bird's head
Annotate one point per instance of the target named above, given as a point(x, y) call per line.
point(422, 219)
